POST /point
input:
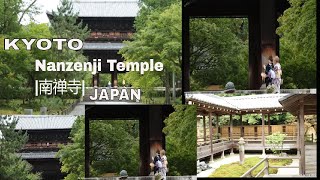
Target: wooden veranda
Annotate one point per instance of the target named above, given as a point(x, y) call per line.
point(211, 107)
point(301, 105)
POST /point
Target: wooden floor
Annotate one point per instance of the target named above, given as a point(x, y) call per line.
point(311, 159)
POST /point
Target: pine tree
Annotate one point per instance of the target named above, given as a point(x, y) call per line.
point(13, 166)
point(64, 22)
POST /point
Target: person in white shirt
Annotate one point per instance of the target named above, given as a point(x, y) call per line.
point(278, 72)
point(164, 161)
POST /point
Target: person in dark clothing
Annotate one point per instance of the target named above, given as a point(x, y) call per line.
point(268, 79)
point(155, 159)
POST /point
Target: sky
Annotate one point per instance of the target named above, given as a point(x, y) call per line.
point(44, 5)
point(49, 5)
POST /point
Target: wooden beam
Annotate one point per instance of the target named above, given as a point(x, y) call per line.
point(302, 165)
point(241, 126)
point(262, 134)
point(210, 126)
point(217, 124)
point(231, 132)
point(269, 126)
point(204, 129)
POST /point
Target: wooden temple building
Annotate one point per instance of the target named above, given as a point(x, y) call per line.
point(212, 107)
point(46, 133)
point(263, 41)
point(151, 122)
point(110, 23)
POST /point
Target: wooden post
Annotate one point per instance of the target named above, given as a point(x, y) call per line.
point(266, 164)
point(204, 129)
point(302, 166)
point(269, 126)
point(210, 127)
point(241, 127)
point(114, 79)
point(217, 126)
point(298, 136)
point(231, 133)
point(262, 134)
point(87, 148)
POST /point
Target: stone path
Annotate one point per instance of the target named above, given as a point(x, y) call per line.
point(219, 161)
point(78, 110)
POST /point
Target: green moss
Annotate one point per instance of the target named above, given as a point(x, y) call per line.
point(237, 170)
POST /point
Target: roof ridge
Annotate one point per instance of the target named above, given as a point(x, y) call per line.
point(106, 1)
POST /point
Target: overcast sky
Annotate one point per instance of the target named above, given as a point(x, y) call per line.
point(44, 5)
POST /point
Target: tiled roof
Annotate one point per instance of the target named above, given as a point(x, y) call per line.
point(42, 122)
point(106, 8)
point(38, 155)
point(102, 46)
point(261, 101)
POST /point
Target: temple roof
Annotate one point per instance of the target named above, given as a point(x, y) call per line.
point(45, 122)
point(102, 46)
point(292, 103)
point(247, 103)
point(106, 8)
point(38, 155)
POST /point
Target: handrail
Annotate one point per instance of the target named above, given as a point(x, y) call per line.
point(248, 173)
point(266, 167)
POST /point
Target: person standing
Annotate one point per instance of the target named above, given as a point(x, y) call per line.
point(157, 163)
point(268, 79)
point(277, 81)
point(164, 161)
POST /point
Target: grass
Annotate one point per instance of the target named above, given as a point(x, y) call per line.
point(16, 106)
point(237, 170)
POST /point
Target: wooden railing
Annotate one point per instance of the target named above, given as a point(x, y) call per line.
point(266, 167)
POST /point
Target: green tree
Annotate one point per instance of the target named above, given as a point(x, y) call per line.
point(158, 39)
point(181, 140)
point(114, 145)
point(72, 155)
point(12, 12)
point(297, 33)
point(11, 141)
point(218, 52)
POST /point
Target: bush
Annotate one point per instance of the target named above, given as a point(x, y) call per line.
point(276, 141)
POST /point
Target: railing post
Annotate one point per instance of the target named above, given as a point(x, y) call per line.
point(241, 150)
point(266, 164)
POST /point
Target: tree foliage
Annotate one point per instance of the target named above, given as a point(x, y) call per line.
point(218, 52)
point(17, 74)
point(297, 33)
point(158, 37)
point(11, 141)
point(181, 140)
point(114, 145)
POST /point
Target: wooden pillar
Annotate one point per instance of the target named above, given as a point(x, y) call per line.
point(254, 47)
point(204, 129)
point(211, 132)
point(302, 165)
point(269, 126)
point(241, 127)
point(87, 148)
point(95, 80)
point(262, 136)
point(231, 132)
point(114, 79)
point(298, 136)
point(185, 55)
point(217, 125)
